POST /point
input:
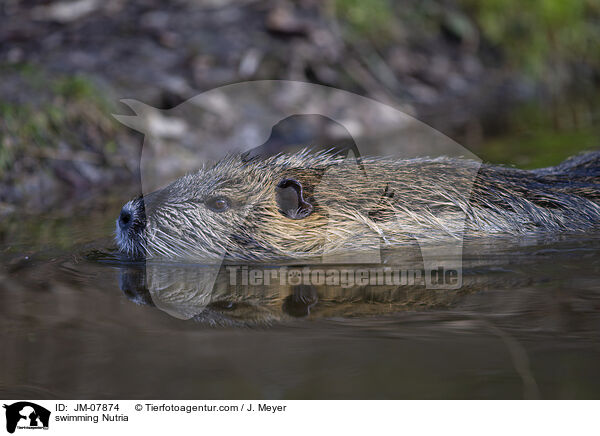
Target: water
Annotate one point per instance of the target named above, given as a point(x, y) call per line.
point(525, 325)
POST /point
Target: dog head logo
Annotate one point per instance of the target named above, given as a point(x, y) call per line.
point(26, 415)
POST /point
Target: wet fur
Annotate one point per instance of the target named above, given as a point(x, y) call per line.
point(397, 201)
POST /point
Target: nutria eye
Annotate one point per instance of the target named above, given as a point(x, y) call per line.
point(217, 204)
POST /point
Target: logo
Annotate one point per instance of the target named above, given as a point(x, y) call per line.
point(26, 415)
point(374, 186)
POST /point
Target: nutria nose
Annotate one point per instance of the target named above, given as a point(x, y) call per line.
point(124, 219)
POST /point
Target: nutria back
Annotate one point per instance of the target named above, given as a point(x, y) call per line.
point(561, 198)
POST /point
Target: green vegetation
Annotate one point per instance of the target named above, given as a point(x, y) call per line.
point(62, 110)
point(539, 134)
point(372, 18)
point(538, 35)
point(538, 149)
point(76, 88)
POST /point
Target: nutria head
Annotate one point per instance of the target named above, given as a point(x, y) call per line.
point(239, 208)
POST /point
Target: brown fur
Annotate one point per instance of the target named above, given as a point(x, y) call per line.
point(383, 202)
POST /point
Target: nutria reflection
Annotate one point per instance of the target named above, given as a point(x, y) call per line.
point(192, 292)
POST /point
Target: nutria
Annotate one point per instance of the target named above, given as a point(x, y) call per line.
point(294, 205)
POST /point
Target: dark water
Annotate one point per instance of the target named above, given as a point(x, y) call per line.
point(525, 325)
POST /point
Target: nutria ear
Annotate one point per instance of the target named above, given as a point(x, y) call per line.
point(289, 195)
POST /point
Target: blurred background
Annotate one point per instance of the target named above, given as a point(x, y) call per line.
point(515, 82)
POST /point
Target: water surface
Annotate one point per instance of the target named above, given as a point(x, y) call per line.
point(525, 325)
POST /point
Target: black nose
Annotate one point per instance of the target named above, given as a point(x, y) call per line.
point(125, 219)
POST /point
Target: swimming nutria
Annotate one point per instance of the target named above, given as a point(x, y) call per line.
point(293, 205)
